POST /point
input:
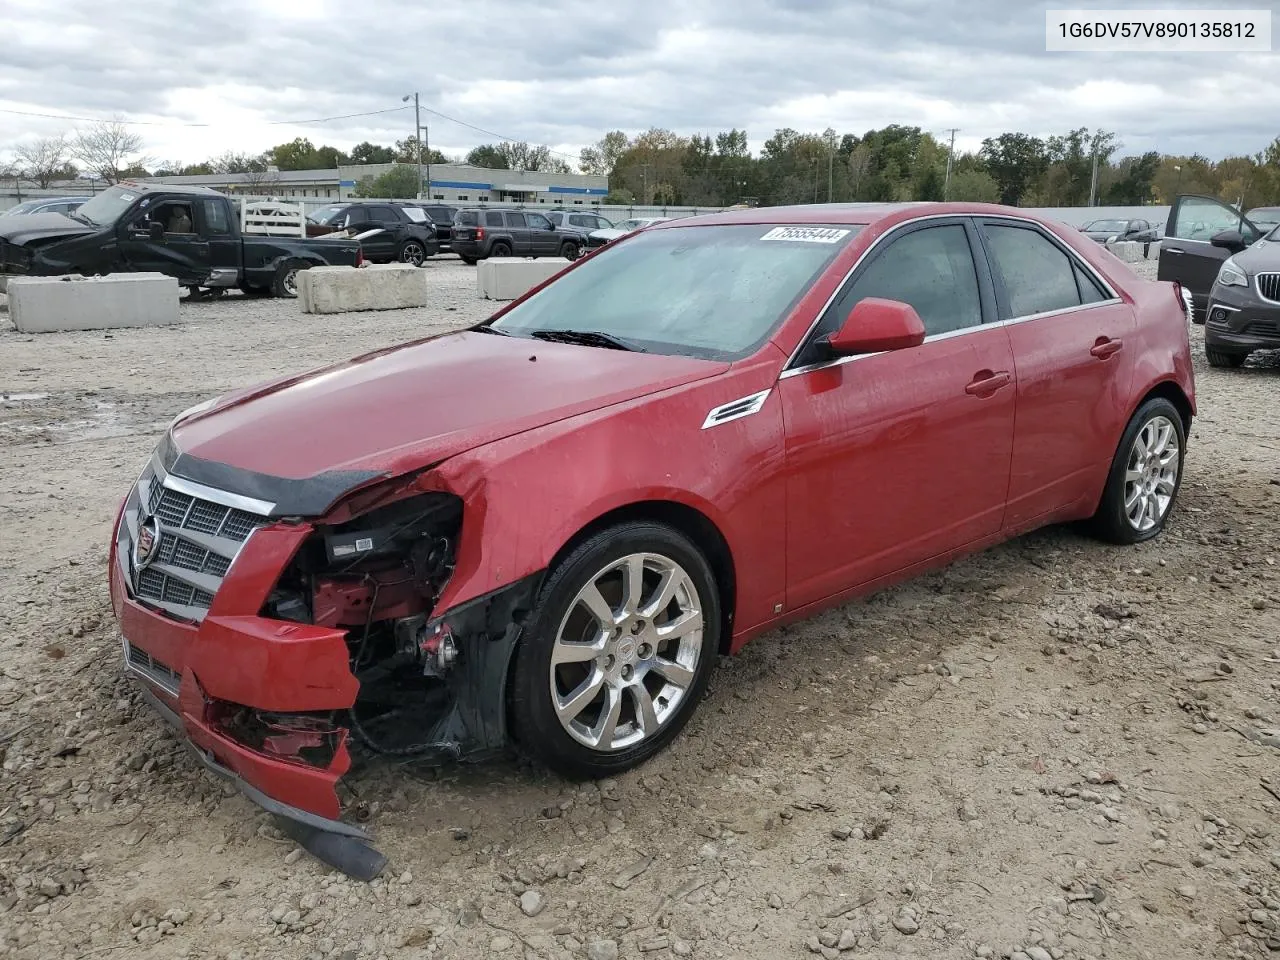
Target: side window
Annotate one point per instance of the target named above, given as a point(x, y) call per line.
point(931, 269)
point(357, 215)
point(383, 214)
point(215, 217)
point(175, 216)
point(1090, 292)
point(537, 221)
point(515, 220)
point(1199, 218)
point(493, 219)
point(1038, 277)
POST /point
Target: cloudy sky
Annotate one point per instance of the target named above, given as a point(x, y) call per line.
point(237, 74)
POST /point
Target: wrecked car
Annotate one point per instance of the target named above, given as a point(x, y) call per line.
point(541, 531)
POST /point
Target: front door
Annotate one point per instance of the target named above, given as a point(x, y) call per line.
point(521, 245)
point(543, 240)
point(1074, 347)
point(179, 252)
point(382, 245)
point(1187, 254)
point(897, 457)
point(213, 222)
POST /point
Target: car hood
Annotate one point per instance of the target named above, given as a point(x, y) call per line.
point(608, 234)
point(408, 407)
point(40, 226)
point(1263, 256)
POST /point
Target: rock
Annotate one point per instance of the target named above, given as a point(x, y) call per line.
point(500, 944)
point(293, 856)
point(906, 924)
point(278, 912)
point(1187, 891)
point(50, 887)
point(651, 946)
point(532, 903)
point(984, 952)
point(968, 812)
point(841, 833)
point(775, 902)
point(681, 948)
point(1038, 953)
point(602, 950)
point(1231, 928)
point(848, 940)
point(828, 939)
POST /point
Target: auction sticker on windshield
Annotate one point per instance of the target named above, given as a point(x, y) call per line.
point(807, 234)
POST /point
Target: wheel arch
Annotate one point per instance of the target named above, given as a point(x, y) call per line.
point(1170, 390)
point(692, 523)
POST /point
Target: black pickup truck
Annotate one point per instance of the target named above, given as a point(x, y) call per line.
point(191, 233)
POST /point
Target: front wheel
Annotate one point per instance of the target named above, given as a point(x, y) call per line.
point(570, 250)
point(617, 652)
point(1145, 475)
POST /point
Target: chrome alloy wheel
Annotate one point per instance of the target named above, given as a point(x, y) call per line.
point(626, 652)
point(413, 253)
point(1151, 476)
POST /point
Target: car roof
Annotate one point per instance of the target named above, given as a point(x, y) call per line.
point(859, 214)
point(183, 189)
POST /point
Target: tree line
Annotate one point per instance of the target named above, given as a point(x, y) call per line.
point(659, 166)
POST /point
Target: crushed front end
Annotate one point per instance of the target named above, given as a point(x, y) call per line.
point(272, 641)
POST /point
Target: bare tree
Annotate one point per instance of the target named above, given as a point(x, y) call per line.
point(260, 181)
point(45, 160)
point(107, 148)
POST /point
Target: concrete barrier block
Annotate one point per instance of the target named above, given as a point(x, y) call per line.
point(1130, 251)
point(1153, 251)
point(391, 286)
point(506, 278)
point(49, 304)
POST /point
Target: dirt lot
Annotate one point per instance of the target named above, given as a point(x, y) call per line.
point(1054, 749)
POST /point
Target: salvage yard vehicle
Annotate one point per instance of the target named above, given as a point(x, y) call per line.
point(1103, 231)
point(480, 234)
point(1201, 234)
point(689, 437)
point(598, 238)
point(390, 232)
point(191, 233)
point(1243, 310)
point(44, 205)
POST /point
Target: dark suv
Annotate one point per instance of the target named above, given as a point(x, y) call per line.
point(581, 222)
point(404, 231)
point(480, 234)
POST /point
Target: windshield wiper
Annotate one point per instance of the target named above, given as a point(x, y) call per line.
point(76, 215)
point(587, 338)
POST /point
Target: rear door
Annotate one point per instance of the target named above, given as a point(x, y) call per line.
point(1187, 253)
point(225, 251)
point(521, 244)
point(1074, 347)
point(386, 218)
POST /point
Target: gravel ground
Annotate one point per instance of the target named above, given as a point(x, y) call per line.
point(1054, 749)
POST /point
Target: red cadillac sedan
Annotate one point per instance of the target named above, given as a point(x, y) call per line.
point(541, 531)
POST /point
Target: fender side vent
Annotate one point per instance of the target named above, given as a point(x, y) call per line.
point(736, 409)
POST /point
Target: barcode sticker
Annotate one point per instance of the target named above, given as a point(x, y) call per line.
point(364, 544)
point(806, 234)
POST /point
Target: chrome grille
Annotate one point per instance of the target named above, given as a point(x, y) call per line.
point(1269, 286)
point(199, 539)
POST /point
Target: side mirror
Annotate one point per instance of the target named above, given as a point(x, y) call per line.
point(1231, 240)
point(875, 324)
point(155, 230)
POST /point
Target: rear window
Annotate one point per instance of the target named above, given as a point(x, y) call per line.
point(441, 214)
point(468, 218)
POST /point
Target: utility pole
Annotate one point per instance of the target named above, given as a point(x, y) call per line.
point(644, 167)
point(417, 137)
point(426, 146)
point(951, 152)
point(1093, 182)
point(831, 159)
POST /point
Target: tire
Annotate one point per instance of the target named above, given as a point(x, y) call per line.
point(285, 282)
point(469, 261)
point(249, 290)
point(500, 249)
point(632, 665)
point(412, 252)
point(1156, 483)
point(570, 250)
point(1222, 358)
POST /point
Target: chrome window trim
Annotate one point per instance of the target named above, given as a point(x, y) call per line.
point(1114, 298)
point(221, 497)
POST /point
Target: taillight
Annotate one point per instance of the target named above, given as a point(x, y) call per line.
point(1184, 298)
point(479, 233)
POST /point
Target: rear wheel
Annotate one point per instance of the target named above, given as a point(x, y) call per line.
point(249, 290)
point(285, 281)
point(1223, 358)
point(500, 249)
point(469, 261)
point(1145, 475)
point(412, 252)
point(617, 653)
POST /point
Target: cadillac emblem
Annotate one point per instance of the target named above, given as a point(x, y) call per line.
point(147, 545)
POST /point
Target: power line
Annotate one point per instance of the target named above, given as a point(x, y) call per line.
point(490, 133)
point(169, 123)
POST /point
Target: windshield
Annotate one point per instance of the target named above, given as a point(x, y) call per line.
point(1263, 218)
point(25, 207)
point(715, 291)
point(324, 214)
point(1108, 226)
point(107, 207)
